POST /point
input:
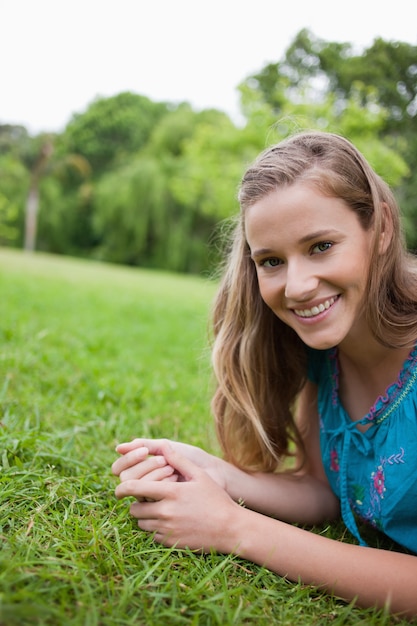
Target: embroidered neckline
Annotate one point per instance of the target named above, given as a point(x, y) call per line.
point(385, 404)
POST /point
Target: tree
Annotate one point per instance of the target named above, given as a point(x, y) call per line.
point(388, 68)
point(111, 129)
point(139, 218)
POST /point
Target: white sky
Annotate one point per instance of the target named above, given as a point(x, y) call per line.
point(56, 56)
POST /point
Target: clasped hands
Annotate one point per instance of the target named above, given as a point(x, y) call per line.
point(180, 493)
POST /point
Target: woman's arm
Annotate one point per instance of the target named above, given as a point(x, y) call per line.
point(290, 497)
point(368, 576)
point(304, 497)
point(200, 515)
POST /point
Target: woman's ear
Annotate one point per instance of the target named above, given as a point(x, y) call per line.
point(386, 230)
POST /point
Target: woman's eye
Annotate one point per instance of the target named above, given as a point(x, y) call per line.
point(272, 262)
point(322, 246)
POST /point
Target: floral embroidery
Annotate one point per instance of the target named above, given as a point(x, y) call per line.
point(334, 460)
point(378, 479)
point(377, 490)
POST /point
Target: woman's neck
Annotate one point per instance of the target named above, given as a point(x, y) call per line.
point(365, 373)
point(364, 352)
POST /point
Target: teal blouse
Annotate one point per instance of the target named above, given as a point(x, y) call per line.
point(374, 473)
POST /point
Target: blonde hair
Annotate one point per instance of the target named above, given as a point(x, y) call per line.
point(259, 362)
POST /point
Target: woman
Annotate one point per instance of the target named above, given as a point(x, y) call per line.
point(315, 356)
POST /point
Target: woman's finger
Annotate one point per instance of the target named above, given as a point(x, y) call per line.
point(184, 467)
point(151, 469)
point(153, 445)
point(143, 489)
point(130, 459)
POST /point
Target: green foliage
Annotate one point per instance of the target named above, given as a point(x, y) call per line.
point(132, 207)
point(139, 222)
point(92, 355)
point(8, 218)
point(361, 125)
point(14, 184)
point(112, 129)
point(388, 68)
point(146, 212)
point(65, 218)
point(173, 130)
point(15, 142)
point(210, 170)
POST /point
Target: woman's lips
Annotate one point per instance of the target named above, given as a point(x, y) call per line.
point(317, 309)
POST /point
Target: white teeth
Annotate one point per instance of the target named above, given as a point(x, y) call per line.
point(315, 310)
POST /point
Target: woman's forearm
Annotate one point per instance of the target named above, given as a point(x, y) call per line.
point(289, 497)
point(371, 577)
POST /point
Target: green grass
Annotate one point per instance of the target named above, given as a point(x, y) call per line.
point(92, 355)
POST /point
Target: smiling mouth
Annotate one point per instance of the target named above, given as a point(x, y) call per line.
point(316, 310)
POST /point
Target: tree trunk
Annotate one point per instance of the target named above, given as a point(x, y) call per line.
point(31, 218)
point(32, 201)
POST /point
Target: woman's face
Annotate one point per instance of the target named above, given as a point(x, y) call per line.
point(312, 260)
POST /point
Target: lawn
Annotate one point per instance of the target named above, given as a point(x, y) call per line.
point(91, 355)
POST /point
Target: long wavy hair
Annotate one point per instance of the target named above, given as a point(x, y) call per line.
point(259, 362)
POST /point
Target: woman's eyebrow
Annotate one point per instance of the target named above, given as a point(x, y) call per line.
point(261, 252)
point(319, 234)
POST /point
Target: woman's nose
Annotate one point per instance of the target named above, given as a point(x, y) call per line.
point(301, 282)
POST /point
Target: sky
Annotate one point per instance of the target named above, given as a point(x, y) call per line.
point(57, 56)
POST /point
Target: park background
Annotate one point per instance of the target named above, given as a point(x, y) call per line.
point(112, 216)
point(124, 130)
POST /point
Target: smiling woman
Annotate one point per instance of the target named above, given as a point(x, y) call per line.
point(317, 310)
point(311, 263)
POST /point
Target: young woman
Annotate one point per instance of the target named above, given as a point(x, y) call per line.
point(315, 329)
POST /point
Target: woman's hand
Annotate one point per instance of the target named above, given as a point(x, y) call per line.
point(195, 512)
point(144, 458)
